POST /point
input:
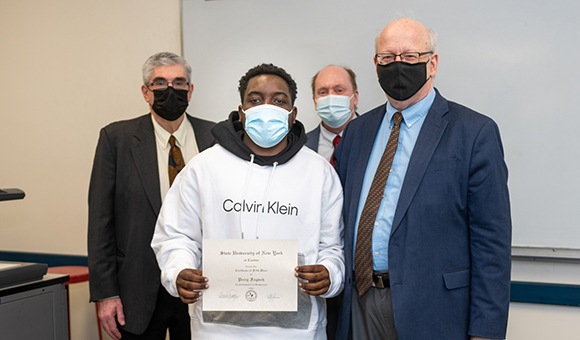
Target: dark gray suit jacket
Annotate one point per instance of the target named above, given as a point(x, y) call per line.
point(313, 138)
point(124, 201)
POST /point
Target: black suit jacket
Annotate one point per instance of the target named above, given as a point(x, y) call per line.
point(124, 201)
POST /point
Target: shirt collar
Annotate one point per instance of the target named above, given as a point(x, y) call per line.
point(327, 135)
point(330, 135)
point(414, 113)
point(163, 135)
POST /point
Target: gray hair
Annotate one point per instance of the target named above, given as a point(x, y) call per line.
point(164, 58)
point(433, 41)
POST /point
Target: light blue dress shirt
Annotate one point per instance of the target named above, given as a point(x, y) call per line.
point(413, 119)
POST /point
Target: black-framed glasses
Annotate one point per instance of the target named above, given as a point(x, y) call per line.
point(407, 57)
point(162, 84)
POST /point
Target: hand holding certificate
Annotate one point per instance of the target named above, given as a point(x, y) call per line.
point(315, 279)
point(250, 269)
point(189, 284)
point(250, 275)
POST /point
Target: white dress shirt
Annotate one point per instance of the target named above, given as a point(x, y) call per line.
point(185, 139)
point(325, 146)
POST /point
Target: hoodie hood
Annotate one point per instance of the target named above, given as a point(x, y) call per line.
point(230, 133)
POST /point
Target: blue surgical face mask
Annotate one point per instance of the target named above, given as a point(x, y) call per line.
point(334, 110)
point(266, 124)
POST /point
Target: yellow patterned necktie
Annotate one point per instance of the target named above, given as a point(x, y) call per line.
point(176, 162)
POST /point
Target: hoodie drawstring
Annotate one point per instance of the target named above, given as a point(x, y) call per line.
point(263, 199)
point(244, 191)
point(265, 196)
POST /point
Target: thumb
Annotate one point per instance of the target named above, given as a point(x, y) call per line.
point(120, 315)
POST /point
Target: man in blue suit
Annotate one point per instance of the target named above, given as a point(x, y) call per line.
point(438, 241)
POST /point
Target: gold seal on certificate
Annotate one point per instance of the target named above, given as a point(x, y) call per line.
point(250, 275)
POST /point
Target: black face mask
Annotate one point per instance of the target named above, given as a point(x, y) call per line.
point(402, 80)
point(170, 103)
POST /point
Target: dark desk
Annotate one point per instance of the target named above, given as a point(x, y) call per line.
point(35, 310)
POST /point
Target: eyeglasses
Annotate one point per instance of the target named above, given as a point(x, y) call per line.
point(162, 83)
point(407, 57)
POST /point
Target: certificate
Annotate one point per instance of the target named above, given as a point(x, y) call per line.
point(250, 275)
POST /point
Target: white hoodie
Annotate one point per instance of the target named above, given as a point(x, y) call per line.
point(218, 196)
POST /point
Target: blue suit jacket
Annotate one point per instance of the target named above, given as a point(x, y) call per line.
point(449, 249)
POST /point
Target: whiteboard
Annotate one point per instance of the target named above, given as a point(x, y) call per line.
point(514, 61)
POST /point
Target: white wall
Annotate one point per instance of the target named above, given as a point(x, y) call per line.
point(537, 321)
point(67, 68)
point(540, 322)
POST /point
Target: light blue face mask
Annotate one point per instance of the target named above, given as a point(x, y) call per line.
point(266, 124)
point(334, 110)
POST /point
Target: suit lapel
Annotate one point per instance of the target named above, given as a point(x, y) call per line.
point(144, 152)
point(202, 132)
point(370, 130)
point(313, 138)
point(427, 142)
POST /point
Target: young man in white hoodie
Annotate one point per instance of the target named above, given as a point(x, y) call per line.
point(259, 158)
